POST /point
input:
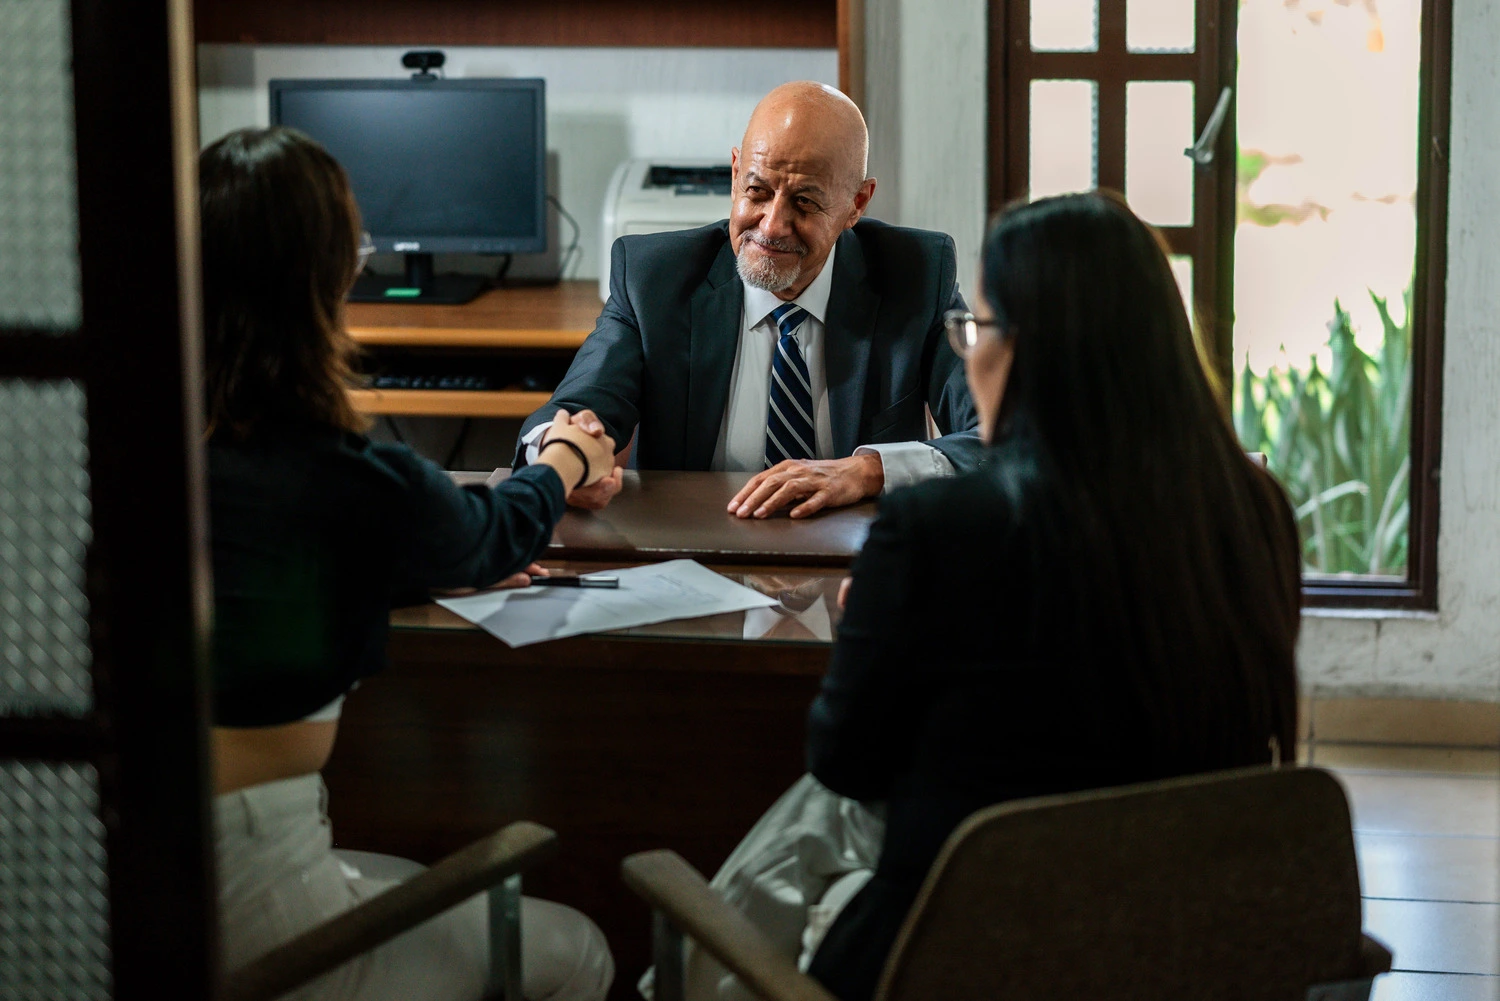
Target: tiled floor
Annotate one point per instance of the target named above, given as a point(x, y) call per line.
point(1427, 830)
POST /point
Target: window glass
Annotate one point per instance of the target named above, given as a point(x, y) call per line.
point(38, 205)
point(1182, 270)
point(1065, 25)
point(1158, 128)
point(1160, 25)
point(1064, 136)
point(1324, 251)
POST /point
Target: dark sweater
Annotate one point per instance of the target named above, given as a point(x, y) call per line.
point(316, 534)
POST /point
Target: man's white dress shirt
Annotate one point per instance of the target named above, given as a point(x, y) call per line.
point(742, 431)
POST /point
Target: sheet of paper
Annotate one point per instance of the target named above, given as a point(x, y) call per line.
point(812, 623)
point(679, 589)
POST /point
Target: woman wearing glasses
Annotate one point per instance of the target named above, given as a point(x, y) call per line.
point(316, 532)
point(1113, 597)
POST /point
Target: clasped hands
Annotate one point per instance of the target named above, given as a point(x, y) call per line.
point(604, 478)
point(599, 475)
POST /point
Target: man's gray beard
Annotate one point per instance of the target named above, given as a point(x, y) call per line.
point(763, 273)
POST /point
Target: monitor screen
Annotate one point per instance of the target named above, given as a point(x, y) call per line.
point(436, 165)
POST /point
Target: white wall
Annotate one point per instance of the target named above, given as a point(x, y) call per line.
point(925, 105)
point(924, 86)
point(604, 105)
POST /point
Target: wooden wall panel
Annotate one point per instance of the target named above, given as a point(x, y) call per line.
point(851, 25)
point(667, 23)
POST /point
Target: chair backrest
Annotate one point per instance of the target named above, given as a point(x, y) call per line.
point(1239, 884)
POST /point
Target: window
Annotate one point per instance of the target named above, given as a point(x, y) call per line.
point(1291, 152)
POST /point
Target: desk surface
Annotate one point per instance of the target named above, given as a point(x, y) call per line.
point(662, 515)
point(539, 316)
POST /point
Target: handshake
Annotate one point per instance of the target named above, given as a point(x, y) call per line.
point(584, 456)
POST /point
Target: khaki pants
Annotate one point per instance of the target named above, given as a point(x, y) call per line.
point(278, 876)
point(806, 857)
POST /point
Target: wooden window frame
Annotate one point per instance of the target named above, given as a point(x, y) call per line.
point(1419, 590)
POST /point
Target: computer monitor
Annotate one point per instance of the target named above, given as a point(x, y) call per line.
point(437, 165)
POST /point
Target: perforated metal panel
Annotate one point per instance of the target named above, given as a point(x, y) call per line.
point(44, 534)
point(54, 921)
point(38, 206)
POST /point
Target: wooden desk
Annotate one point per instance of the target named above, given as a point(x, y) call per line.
point(676, 736)
point(524, 321)
point(661, 515)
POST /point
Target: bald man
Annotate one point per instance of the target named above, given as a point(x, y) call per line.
point(795, 340)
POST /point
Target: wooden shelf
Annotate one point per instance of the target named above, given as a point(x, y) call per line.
point(528, 318)
point(447, 402)
point(548, 317)
point(670, 23)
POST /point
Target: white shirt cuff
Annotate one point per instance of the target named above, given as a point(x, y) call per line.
point(530, 439)
point(908, 462)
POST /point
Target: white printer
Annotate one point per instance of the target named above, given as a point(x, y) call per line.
point(646, 196)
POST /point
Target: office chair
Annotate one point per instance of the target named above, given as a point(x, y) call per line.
point(492, 864)
point(1237, 884)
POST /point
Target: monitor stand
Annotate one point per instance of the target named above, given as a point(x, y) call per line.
point(419, 284)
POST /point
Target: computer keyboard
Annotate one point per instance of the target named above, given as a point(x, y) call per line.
point(471, 382)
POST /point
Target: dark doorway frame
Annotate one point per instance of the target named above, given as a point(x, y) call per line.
point(147, 576)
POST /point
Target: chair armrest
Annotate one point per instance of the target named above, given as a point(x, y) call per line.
point(675, 889)
point(1374, 957)
point(1373, 960)
point(467, 872)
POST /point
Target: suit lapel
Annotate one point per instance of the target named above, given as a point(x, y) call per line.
point(852, 307)
point(718, 307)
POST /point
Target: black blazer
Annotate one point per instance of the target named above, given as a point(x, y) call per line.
point(948, 690)
point(659, 361)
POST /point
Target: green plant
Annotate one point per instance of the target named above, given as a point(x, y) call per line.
point(1340, 444)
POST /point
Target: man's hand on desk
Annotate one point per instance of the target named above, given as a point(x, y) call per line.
point(816, 483)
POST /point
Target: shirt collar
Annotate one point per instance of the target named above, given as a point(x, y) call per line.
point(759, 303)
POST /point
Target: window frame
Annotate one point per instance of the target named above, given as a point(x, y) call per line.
point(1009, 32)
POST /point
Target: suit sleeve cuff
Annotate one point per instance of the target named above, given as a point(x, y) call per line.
point(908, 462)
point(531, 439)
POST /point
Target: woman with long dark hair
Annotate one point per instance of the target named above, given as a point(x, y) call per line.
point(316, 533)
point(1113, 597)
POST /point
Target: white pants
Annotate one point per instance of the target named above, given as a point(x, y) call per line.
point(278, 876)
point(806, 857)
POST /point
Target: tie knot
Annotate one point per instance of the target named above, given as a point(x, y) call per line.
point(788, 317)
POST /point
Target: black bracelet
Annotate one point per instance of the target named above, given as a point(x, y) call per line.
point(576, 451)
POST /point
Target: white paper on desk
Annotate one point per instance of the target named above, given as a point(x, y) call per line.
point(680, 589)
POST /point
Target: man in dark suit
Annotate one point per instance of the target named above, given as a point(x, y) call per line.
point(793, 339)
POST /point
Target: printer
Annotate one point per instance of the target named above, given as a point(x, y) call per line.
point(659, 196)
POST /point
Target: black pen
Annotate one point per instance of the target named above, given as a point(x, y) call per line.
point(577, 580)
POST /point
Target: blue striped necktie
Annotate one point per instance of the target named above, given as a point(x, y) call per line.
point(789, 419)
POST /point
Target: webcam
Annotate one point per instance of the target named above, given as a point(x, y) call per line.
point(424, 61)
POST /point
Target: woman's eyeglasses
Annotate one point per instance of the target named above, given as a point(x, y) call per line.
point(366, 248)
point(963, 330)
